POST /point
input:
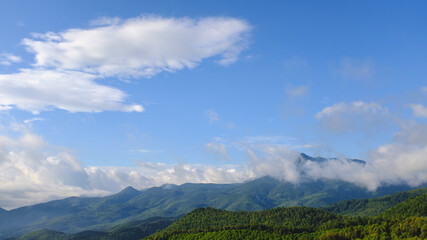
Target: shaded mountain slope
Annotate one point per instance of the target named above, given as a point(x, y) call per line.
point(130, 231)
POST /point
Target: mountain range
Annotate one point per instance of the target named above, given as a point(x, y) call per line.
point(403, 215)
point(76, 214)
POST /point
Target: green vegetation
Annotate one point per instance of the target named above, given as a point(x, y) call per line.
point(407, 220)
point(402, 220)
point(374, 206)
point(414, 207)
point(78, 214)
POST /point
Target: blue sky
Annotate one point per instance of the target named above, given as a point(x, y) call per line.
point(98, 95)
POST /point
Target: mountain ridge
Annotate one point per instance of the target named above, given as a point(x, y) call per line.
point(272, 222)
point(76, 214)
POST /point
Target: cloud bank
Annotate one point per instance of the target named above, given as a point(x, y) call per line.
point(69, 65)
point(33, 171)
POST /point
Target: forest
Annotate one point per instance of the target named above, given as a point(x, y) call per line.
point(406, 220)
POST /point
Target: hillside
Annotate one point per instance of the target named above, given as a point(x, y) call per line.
point(373, 206)
point(300, 223)
point(416, 206)
point(130, 231)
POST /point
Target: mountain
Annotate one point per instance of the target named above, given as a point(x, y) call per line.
point(76, 214)
point(374, 206)
point(2, 211)
point(404, 220)
point(133, 230)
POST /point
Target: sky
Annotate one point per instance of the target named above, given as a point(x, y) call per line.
point(99, 95)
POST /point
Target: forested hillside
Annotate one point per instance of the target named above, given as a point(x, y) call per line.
point(372, 206)
point(301, 223)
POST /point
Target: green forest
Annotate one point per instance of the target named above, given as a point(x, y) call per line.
point(406, 220)
point(401, 215)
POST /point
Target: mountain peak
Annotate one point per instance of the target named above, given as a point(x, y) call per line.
point(129, 190)
point(305, 157)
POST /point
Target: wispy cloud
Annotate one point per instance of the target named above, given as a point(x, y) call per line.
point(141, 150)
point(8, 59)
point(218, 148)
point(419, 110)
point(297, 91)
point(295, 62)
point(28, 121)
point(354, 116)
point(355, 69)
point(212, 115)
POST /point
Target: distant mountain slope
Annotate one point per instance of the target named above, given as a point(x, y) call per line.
point(75, 214)
point(404, 220)
point(2, 212)
point(374, 206)
point(130, 231)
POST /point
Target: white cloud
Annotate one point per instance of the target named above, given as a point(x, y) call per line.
point(8, 59)
point(38, 90)
point(5, 108)
point(266, 139)
point(412, 134)
point(296, 91)
point(33, 171)
point(279, 162)
point(68, 63)
point(141, 150)
point(399, 162)
point(142, 46)
point(419, 110)
point(218, 148)
point(105, 21)
point(29, 121)
point(359, 116)
point(212, 115)
point(356, 69)
point(29, 175)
